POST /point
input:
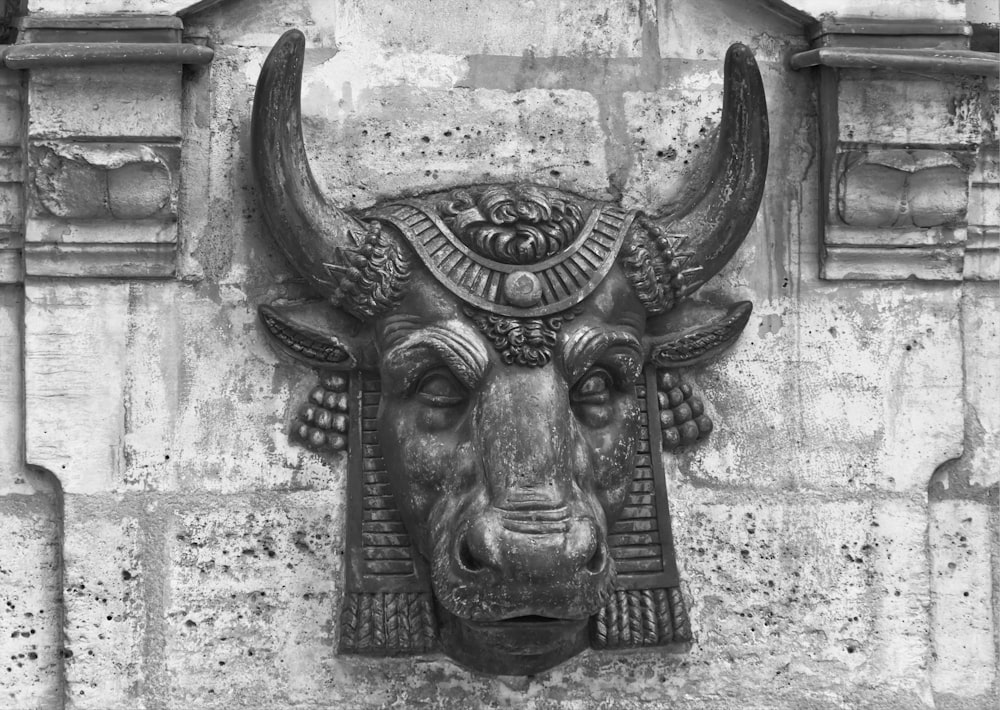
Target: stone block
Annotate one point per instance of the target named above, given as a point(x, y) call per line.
point(105, 101)
point(224, 425)
point(87, 7)
point(902, 110)
point(981, 342)
point(253, 594)
point(11, 205)
point(834, 402)
point(11, 109)
point(984, 204)
point(915, 9)
point(105, 576)
point(30, 632)
point(11, 393)
point(962, 622)
point(74, 334)
point(828, 588)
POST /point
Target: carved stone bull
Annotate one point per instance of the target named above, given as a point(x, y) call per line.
point(502, 344)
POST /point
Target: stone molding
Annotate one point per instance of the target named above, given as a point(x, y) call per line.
point(100, 177)
point(899, 184)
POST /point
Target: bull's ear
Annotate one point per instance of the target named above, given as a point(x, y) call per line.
point(693, 332)
point(320, 335)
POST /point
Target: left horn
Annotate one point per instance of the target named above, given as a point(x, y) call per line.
point(715, 219)
point(310, 229)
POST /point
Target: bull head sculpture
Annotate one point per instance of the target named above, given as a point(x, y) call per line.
point(494, 358)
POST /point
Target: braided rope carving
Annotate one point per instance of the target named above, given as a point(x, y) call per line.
point(634, 618)
point(387, 623)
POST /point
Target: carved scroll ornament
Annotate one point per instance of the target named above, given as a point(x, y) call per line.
point(493, 359)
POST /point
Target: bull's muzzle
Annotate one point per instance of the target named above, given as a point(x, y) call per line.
point(534, 546)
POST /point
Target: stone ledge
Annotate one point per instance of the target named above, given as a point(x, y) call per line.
point(124, 261)
point(75, 54)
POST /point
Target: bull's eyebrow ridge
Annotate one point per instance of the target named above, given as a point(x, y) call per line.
point(454, 342)
point(587, 345)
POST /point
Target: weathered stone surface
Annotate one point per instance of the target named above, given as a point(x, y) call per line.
point(917, 9)
point(893, 263)
point(854, 415)
point(68, 102)
point(253, 594)
point(233, 400)
point(705, 29)
point(11, 205)
point(962, 626)
point(981, 331)
point(669, 133)
point(832, 587)
point(10, 107)
point(30, 624)
point(11, 393)
point(106, 574)
point(582, 27)
point(404, 140)
point(901, 110)
point(74, 364)
point(83, 7)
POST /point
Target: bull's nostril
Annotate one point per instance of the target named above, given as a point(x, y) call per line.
point(466, 559)
point(596, 563)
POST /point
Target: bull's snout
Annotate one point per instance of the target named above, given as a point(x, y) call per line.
point(544, 546)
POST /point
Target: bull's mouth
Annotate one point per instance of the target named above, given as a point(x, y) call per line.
point(522, 645)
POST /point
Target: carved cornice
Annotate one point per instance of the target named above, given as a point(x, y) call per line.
point(75, 54)
point(940, 61)
point(904, 138)
point(101, 183)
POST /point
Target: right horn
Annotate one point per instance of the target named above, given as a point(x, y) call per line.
point(312, 232)
point(717, 214)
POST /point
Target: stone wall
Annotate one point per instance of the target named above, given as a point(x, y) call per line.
point(168, 545)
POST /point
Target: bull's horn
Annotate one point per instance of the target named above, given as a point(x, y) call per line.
point(719, 210)
point(310, 230)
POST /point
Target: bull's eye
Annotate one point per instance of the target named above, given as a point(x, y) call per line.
point(439, 388)
point(593, 388)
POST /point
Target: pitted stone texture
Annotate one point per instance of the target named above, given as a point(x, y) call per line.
point(105, 572)
point(509, 27)
point(854, 408)
point(401, 140)
point(30, 632)
point(963, 625)
point(253, 595)
point(669, 134)
point(832, 587)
